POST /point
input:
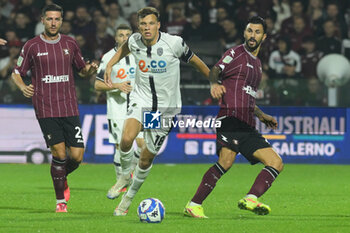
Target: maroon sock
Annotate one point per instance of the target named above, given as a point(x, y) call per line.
point(58, 174)
point(208, 183)
point(263, 181)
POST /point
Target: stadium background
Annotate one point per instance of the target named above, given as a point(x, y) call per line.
point(308, 30)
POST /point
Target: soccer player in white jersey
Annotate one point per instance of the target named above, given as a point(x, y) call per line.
point(157, 88)
point(123, 77)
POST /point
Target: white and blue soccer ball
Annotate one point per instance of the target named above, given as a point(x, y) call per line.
point(151, 210)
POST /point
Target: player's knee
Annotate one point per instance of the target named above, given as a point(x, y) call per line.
point(145, 163)
point(58, 153)
point(280, 165)
point(77, 155)
point(226, 164)
point(277, 163)
point(146, 158)
point(126, 142)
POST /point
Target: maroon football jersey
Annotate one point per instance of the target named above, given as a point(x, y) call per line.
point(241, 75)
point(50, 64)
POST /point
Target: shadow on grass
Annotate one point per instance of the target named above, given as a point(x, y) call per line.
point(29, 210)
point(75, 189)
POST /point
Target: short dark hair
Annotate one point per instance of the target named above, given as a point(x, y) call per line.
point(123, 27)
point(257, 20)
point(52, 7)
point(148, 11)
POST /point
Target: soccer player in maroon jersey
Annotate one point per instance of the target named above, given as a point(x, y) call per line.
point(50, 57)
point(239, 72)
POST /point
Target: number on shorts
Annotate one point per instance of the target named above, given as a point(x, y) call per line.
point(78, 134)
point(159, 141)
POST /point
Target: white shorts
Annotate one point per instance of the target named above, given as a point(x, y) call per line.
point(115, 128)
point(154, 138)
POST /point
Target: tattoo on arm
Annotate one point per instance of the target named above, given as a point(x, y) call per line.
point(257, 111)
point(214, 74)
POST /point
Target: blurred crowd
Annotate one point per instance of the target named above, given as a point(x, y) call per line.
point(299, 34)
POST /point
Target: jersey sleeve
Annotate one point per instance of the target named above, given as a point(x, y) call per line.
point(78, 59)
point(182, 50)
point(226, 60)
point(101, 69)
point(131, 40)
point(24, 61)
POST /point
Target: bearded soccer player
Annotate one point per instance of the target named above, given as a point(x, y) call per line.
point(50, 57)
point(118, 100)
point(239, 71)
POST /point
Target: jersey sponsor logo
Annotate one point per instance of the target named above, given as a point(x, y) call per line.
point(249, 65)
point(19, 61)
point(55, 79)
point(249, 90)
point(227, 59)
point(154, 66)
point(66, 51)
point(122, 74)
point(42, 54)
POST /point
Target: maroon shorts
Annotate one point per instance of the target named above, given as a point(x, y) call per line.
point(240, 137)
point(62, 129)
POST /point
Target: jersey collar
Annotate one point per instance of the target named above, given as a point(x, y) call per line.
point(51, 41)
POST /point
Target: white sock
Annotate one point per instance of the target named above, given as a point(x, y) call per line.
point(140, 176)
point(193, 204)
point(125, 160)
point(117, 166)
point(61, 201)
point(251, 196)
point(135, 160)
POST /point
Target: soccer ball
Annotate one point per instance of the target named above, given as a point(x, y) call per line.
point(151, 210)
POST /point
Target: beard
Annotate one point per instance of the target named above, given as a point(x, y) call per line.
point(250, 48)
point(47, 32)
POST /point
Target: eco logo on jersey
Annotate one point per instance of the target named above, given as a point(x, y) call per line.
point(154, 66)
point(121, 73)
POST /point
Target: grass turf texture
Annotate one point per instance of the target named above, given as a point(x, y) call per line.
point(304, 198)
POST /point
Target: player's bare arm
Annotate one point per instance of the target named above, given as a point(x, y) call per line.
point(216, 89)
point(123, 87)
point(27, 90)
point(120, 54)
point(88, 70)
point(197, 63)
point(268, 120)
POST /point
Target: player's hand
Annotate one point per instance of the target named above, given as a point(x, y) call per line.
point(28, 91)
point(91, 68)
point(107, 76)
point(2, 41)
point(217, 90)
point(124, 87)
point(269, 121)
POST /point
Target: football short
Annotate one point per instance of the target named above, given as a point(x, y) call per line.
point(154, 138)
point(115, 128)
point(62, 129)
point(240, 137)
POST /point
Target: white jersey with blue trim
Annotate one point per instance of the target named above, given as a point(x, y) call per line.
point(157, 79)
point(124, 70)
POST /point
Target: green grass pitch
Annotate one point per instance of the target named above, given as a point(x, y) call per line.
point(304, 198)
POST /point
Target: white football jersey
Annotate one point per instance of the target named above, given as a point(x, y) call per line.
point(157, 80)
point(124, 70)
